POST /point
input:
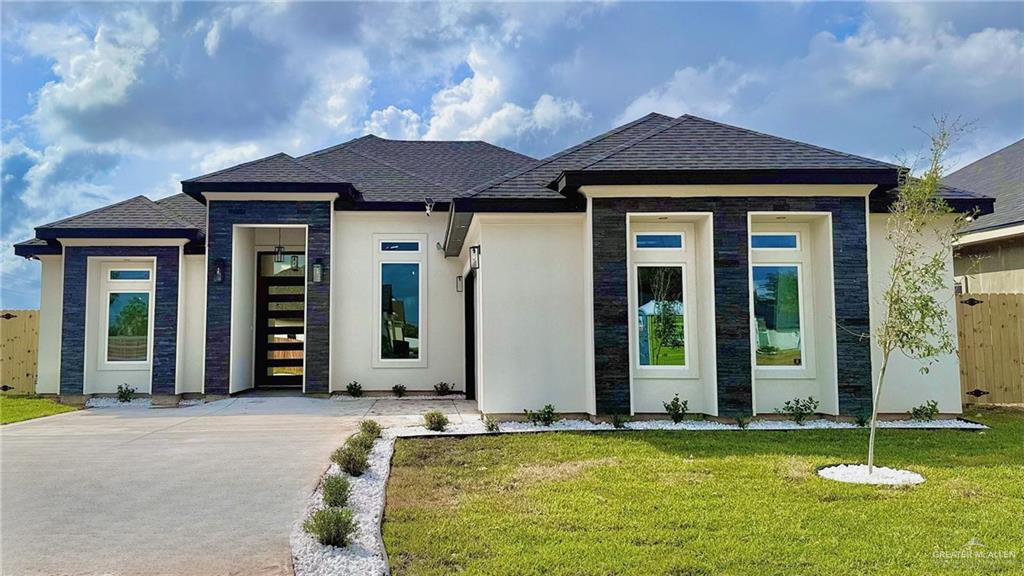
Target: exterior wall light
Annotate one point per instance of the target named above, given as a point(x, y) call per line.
point(458, 283)
point(218, 271)
point(474, 257)
point(318, 271)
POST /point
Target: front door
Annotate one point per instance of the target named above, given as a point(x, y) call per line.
point(280, 320)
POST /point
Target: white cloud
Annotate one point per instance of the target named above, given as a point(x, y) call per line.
point(392, 122)
point(710, 92)
point(221, 156)
point(212, 40)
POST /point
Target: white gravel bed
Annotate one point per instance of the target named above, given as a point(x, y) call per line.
point(105, 402)
point(858, 474)
point(191, 402)
point(347, 398)
point(365, 555)
point(684, 425)
point(948, 423)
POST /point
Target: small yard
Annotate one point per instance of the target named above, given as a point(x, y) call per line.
point(738, 502)
point(18, 408)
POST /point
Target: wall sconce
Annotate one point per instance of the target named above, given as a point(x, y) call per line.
point(218, 271)
point(458, 283)
point(474, 257)
point(318, 271)
point(295, 263)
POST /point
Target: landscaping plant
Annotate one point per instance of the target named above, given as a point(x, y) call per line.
point(398, 390)
point(361, 440)
point(743, 422)
point(331, 526)
point(619, 421)
point(336, 490)
point(444, 388)
point(370, 427)
point(353, 460)
point(862, 419)
point(798, 409)
point(676, 409)
point(125, 393)
point(490, 424)
point(927, 411)
point(355, 389)
point(435, 420)
point(920, 230)
point(546, 416)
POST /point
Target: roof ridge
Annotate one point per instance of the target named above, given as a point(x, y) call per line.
point(549, 159)
point(93, 211)
point(236, 167)
point(402, 170)
point(791, 141)
point(337, 146)
point(634, 142)
point(166, 212)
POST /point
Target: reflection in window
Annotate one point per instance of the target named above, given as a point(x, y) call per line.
point(777, 312)
point(660, 316)
point(659, 241)
point(128, 327)
point(400, 311)
point(129, 274)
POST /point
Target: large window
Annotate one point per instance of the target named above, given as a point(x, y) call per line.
point(126, 323)
point(661, 330)
point(400, 310)
point(777, 314)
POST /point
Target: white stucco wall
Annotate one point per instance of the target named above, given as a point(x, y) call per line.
point(243, 286)
point(51, 298)
point(531, 319)
point(906, 386)
point(192, 323)
point(354, 300)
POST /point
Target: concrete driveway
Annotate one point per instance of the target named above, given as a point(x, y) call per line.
point(209, 490)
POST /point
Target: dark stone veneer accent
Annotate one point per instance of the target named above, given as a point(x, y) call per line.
point(223, 216)
point(165, 314)
point(732, 311)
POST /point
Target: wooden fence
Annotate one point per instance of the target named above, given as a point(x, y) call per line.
point(19, 341)
point(990, 328)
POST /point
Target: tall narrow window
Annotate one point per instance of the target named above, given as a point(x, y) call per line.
point(777, 313)
point(661, 329)
point(128, 327)
point(400, 310)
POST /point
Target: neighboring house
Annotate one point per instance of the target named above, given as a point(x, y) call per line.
point(990, 252)
point(667, 256)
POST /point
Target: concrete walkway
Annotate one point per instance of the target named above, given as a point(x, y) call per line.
point(210, 490)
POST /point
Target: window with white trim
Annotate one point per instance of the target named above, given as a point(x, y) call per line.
point(400, 292)
point(661, 286)
point(778, 273)
point(127, 321)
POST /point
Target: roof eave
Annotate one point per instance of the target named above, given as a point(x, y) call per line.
point(54, 233)
point(35, 250)
point(196, 189)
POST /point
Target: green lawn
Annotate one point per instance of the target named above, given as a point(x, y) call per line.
point(18, 408)
point(679, 503)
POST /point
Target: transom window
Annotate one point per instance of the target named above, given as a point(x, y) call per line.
point(129, 275)
point(775, 241)
point(648, 241)
point(400, 246)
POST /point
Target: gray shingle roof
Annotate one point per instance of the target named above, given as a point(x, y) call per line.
point(138, 213)
point(185, 208)
point(278, 168)
point(999, 175)
point(692, 143)
point(531, 180)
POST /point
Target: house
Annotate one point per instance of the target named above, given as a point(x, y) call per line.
point(666, 256)
point(990, 252)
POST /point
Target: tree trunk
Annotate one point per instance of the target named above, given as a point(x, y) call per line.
point(874, 412)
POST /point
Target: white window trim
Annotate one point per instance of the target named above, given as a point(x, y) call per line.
point(681, 235)
point(799, 257)
point(662, 257)
point(109, 287)
point(798, 248)
point(380, 258)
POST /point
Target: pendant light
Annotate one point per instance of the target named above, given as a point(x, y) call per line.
point(279, 249)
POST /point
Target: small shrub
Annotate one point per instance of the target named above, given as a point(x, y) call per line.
point(355, 389)
point(619, 421)
point(435, 420)
point(862, 418)
point(361, 441)
point(743, 422)
point(370, 427)
point(331, 526)
point(927, 411)
point(125, 393)
point(544, 417)
point(798, 409)
point(676, 409)
point(490, 424)
point(398, 390)
point(351, 459)
point(444, 388)
point(336, 490)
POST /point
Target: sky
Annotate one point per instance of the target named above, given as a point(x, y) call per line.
point(105, 101)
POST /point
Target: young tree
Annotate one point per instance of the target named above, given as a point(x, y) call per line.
point(921, 230)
